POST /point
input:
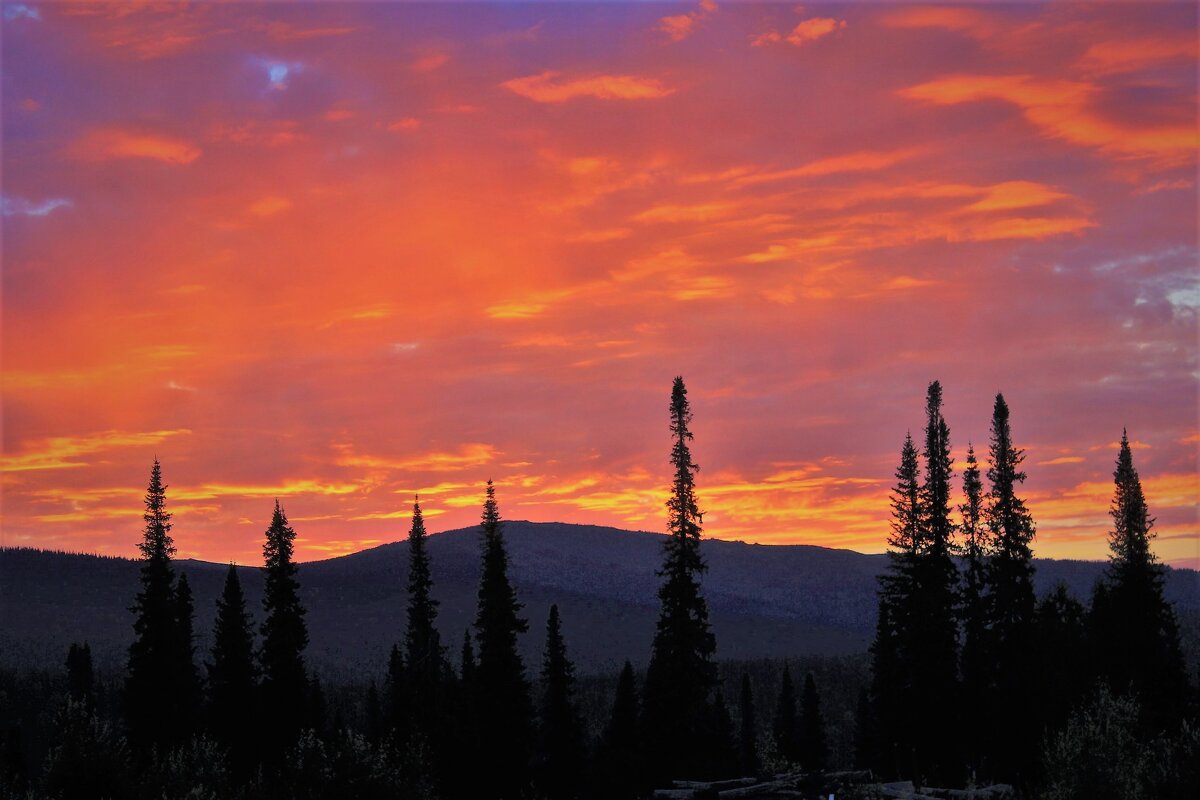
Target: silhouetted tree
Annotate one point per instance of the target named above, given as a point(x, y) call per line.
point(930, 635)
point(681, 673)
point(1138, 645)
point(1011, 604)
point(785, 726)
point(620, 758)
point(560, 755)
point(398, 697)
point(373, 712)
point(974, 612)
point(285, 692)
point(747, 730)
point(187, 679)
point(423, 645)
point(1060, 678)
point(505, 711)
point(891, 700)
point(866, 749)
point(81, 679)
point(154, 694)
point(813, 750)
point(467, 660)
point(232, 675)
point(88, 759)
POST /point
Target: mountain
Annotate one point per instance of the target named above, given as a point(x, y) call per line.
point(765, 600)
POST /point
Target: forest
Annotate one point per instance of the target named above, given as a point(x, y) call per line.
point(972, 680)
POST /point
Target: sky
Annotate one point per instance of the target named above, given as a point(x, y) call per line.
point(339, 254)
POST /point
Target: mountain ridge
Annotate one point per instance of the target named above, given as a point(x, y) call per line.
point(765, 600)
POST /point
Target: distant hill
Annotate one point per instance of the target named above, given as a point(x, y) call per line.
point(766, 600)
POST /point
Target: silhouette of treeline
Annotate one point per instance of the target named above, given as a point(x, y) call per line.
point(971, 678)
point(975, 680)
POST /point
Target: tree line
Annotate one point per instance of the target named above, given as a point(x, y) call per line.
point(972, 677)
point(971, 672)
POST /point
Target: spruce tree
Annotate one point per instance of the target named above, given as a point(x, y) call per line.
point(747, 731)
point(285, 692)
point(621, 760)
point(891, 701)
point(232, 675)
point(785, 727)
point(422, 643)
point(502, 691)
point(681, 673)
point(560, 753)
point(151, 691)
point(81, 679)
point(1138, 645)
point(1011, 604)
point(399, 698)
point(813, 749)
point(186, 678)
point(930, 649)
point(467, 660)
point(974, 548)
point(1060, 642)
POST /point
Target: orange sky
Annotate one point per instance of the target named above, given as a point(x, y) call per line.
point(341, 253)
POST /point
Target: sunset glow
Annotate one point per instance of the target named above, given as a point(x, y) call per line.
point(341, 254)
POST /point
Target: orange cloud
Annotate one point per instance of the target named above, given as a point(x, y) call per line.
point(113, 143)
point(862, 161)
point(548, 87)
point(807, 31)
point(971, 21)
point(64, 451)
point(269, 206)
point(1131, 55)
point(681, 26)
point(404, 125)
point(1063, 109)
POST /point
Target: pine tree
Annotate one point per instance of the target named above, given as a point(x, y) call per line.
point(1011, 604)
point(930, 634)
point(681, 674)
point(232, 675)
point(813, 750)
point(621, 765)
point(374, 715)
point(975, 667)
point(891, 706)
point(505, 709)
point(423, 645)
point(1060, 642)
point(81, 679)
point(285, 636)
point(399, 699)
point(560, 754)
point(151, 692)
point(747, 731)
point(1139, 653)
point(785, 726)
point(467, 660)
point(186, 678)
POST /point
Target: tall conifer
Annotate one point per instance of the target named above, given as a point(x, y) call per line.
point(505, 708)
point(1137, 632)
point(974, 548)
point(560, 754)
point(813, 749)
point(151, 695)
point(620, 757)
point(285, 691)
point(785, 727)
point(1011, 603)
point(232, 674)
point(681, 673)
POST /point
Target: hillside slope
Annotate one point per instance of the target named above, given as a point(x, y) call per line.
point(766, 600)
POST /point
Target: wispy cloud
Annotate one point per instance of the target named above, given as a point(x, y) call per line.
point(19, 206)
point(116, 143)
point(806, 32)
point(678, 27)
point(553, 87)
